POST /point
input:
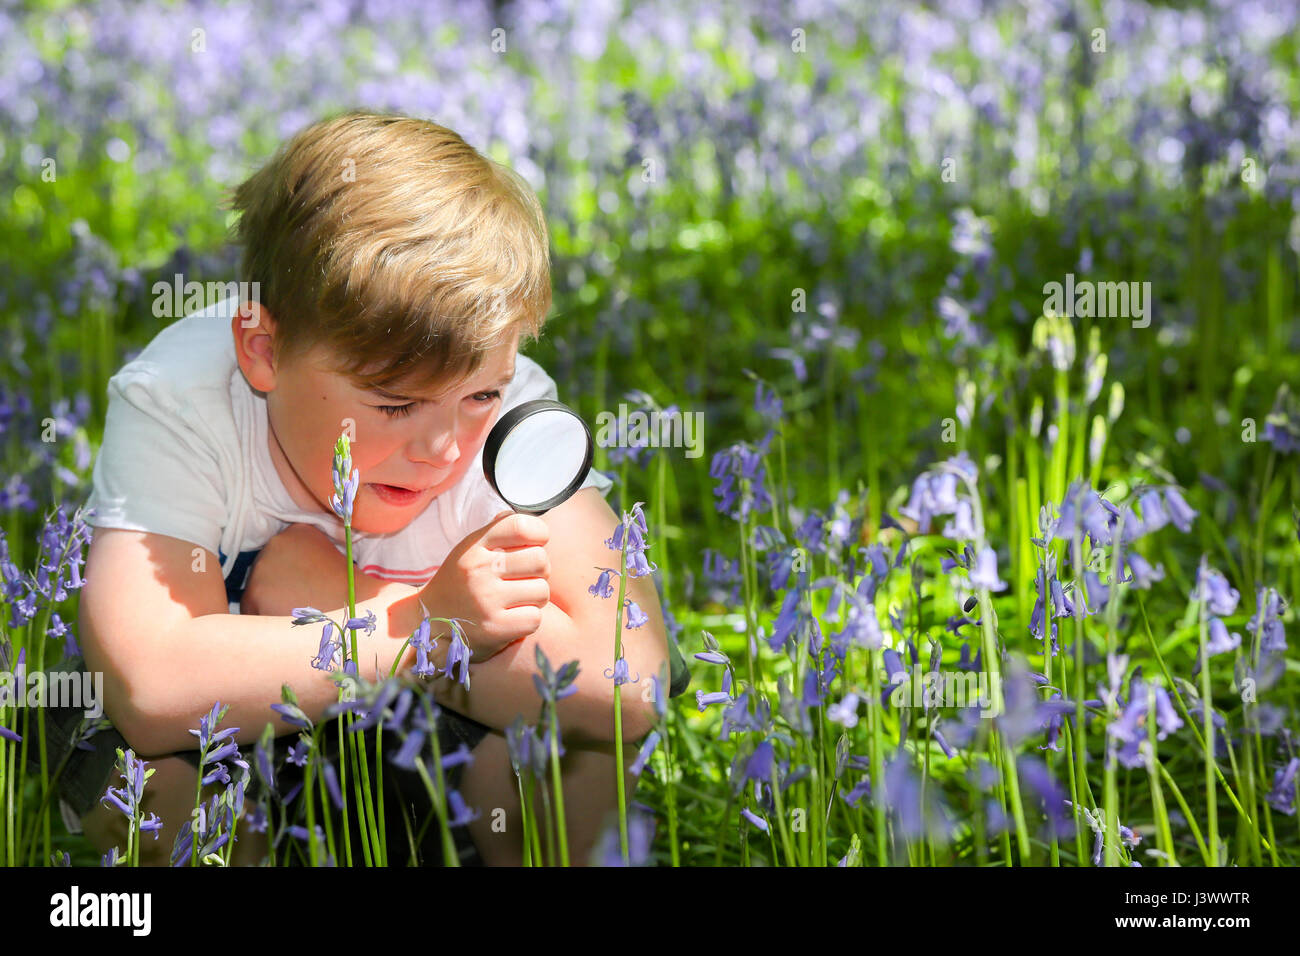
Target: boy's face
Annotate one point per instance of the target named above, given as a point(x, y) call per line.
point(422, 442)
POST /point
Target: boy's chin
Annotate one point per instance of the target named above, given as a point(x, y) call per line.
point(370, 523)
point(380, 518)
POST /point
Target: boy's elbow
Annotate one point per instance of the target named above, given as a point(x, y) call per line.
point(135, 712)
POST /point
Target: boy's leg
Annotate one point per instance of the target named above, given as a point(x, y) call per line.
point(170, 794)
point(590, 799)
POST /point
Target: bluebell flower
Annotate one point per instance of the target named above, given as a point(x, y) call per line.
point(761, 762)
point(756, 820)
point(619, 672)
point(706, 699)
point(643, 755)
point(861, 789)
point(292, 714)
point(633, 526)
point(330, 650)
point(553, 686)
point(1141, 573)
point(602, 588)
point(1051, 795)
point(845, 712)
point(737, 716)
point(424, 645)
point(635, 616)
point(332, 784)
point(1220, 641)
point(346, 481)
point(1282, 424)
point(412, 745)
point(1212, 587)
point(767, 403)
point(1282, 797)
point(985, 572)
point(741, 489)
point(308, 615)
point(128, 797)
point(367, 622)
point(1267, 621)
point(299, 752)
point(640, 838)
point(458, 658)
point(1180, 512)
point(1154, 516)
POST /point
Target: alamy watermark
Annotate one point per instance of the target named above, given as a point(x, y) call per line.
point(651, 429)
point(950, 689)
point(178, 298)
point(1086, 299)
point(78, 689)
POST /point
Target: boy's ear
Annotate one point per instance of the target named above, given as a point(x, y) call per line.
point(253, 328)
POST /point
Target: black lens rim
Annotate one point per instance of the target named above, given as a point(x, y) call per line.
point(505, 424)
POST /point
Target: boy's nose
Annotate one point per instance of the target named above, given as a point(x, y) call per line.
point(441, 451)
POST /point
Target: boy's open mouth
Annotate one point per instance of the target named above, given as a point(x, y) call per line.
point(397, 494)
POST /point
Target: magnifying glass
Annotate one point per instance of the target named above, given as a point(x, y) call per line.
point(537, 455)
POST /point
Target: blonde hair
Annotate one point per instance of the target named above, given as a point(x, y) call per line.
point(397, 246)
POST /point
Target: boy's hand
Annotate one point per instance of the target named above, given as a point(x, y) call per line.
point(495, 579)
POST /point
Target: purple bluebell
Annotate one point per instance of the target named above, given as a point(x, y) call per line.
point(458, 657)
point(760, 763)
point(845, 711)
point(332, 783)
point(1282, 797)
point(1213, 588)
point(292, 714)
point(1282, 424)
point(640, 838)
point(346, 481)
point(424, 645)
point(860, 789)
point(756, 820)
point(458, 757)
point(618, 673)
point(602, 588)
point(985, 572)
point(330, 651)
point(741, 489)
point(366, 622)
point(1141, 573)
point(1220, 641)
point(1266, 623)
point(635, 616)
point(643, 755)
point(1051, 795)
point(299, 752)
point(1180, 512)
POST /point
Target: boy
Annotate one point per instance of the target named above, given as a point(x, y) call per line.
point(397, 271)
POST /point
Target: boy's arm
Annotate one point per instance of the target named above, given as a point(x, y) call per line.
point(575, 625)
point(161, 633)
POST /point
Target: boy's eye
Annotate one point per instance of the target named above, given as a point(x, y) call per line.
point(400, 411)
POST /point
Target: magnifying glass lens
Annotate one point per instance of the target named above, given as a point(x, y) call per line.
point(537, 455)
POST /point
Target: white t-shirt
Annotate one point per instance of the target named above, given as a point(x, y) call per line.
point(186, 454)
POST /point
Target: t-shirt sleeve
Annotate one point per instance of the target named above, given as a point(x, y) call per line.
point(154, 471)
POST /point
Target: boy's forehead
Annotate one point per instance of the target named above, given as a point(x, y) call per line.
point(497, 369)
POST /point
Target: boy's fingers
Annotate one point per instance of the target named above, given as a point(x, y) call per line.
point(518, 530)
